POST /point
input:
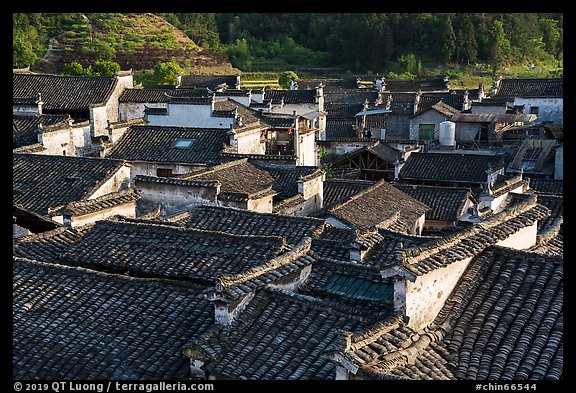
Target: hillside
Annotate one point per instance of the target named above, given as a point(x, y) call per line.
point(136, 41)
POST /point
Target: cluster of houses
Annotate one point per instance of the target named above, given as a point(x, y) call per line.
point(334, 230)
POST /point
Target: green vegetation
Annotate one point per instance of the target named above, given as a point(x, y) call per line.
point(475, 46)
point(99, 68)
point(164, 74)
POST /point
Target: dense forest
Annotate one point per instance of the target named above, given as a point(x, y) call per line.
point(358, 42)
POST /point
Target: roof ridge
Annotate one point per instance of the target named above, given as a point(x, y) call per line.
point(300, 249)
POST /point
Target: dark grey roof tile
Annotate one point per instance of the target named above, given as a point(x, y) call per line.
point(43, 182)
point(129, 328)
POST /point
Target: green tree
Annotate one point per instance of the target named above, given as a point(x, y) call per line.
point(239, 54)
point(22, 51)
point(285, 78)
point(499, 47)
point(167, 73)
point(73, 68)
point(448, 39)
point(105, 68)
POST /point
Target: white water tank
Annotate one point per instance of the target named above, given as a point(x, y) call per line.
point(447, 135)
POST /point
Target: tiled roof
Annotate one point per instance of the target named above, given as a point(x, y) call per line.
point(503, 321)
point(239, 177)
point(556, 206)
point(25, 128)
point(47, 246)
point(492, 117)
point(342, 111)
point(523, 212)
point(351, 284)
point(150, 95)
point(340, 129)
point(415, 85)
point(64, 92)
point(42, 182)
point(446, 202)
point(78, 324)
point(337, 189)
point(286, 179)
point(384, 253)
point(231, 287)
point(333, 245)
point(531, 87)
point(455, 102)
point(106, 201)
point(551, 243)
point(229, 105)
point(377, 148)
point(166, 250)
point(244, 222)
point(368, 208)
point(447, 167)
point(155, 144)
point(280, 336)
point(443, 109)
point(211, 82)
point(547, 186)
point(291, 96)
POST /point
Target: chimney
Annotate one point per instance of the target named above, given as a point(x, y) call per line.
point(40, 103)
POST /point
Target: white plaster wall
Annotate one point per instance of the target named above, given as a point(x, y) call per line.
point(57, 141)
point(248, 142)
point(25, 110)
point(337, 223)
point(306, 151)
point(112, 106)
point(549, 109)
point(559, 163)
point(484, 109)
point(125, 210)
point(464, 211)
point(118, 182)
point(173, 197)
point(313, 195)
point(521, 240)
point(81, 140)
point(427, 295)
point(262, 205)
point(467, 132)
point(150, 168)
point(130, 110)
point(244, 100)
point(190, 115)
point(99, 119)
point(299, 108)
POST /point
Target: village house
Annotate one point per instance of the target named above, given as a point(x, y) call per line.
point(90, 101)
point(448, 205)
point(379, 205)
point(464, 340)
point(168, 151)
point(543, 97)
point(207, 243)
point(72, 190)
point(133, 102)
point(308, 104)
point(244, 183)
point(425, 125)
point(366, 159)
